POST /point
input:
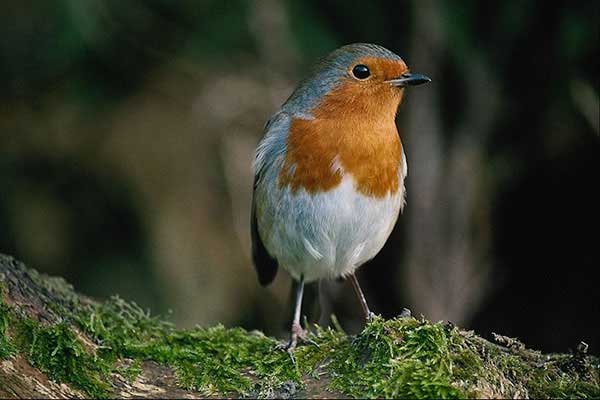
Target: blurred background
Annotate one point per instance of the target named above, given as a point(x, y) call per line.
point(127, 131)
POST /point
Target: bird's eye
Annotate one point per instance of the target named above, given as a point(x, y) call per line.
point(361, 71)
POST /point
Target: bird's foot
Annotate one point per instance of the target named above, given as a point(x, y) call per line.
point(298, 336)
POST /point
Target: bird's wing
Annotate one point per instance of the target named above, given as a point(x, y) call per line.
point(264, 264)
point(269, 148)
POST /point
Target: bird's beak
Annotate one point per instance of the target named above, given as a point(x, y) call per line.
point(409, 79)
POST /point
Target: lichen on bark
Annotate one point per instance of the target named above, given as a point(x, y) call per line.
point(55, 342)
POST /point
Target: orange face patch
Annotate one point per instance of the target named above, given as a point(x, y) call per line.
point(353, 129)
point(382, 69)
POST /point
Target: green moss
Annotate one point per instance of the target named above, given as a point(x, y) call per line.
point(394, 358)
point(212, 361)
point(118, 325)
point(7, 348)
point(53, 349)
point(131, 371)
point(486, 369)
point(58, 352)
point(566, 377)
point(215, 360)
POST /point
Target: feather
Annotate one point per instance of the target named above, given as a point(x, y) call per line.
point(264, 264)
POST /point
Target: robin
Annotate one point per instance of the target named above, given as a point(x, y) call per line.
point(329, 172)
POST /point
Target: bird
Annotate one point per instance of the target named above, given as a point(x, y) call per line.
point(329, 172)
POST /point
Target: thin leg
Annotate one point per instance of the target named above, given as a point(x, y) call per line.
point(297, 332)
point(361, 298)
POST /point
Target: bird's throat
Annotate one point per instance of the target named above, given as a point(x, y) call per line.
point(321, 151)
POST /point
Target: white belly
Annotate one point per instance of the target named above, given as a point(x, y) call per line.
point(327, 234)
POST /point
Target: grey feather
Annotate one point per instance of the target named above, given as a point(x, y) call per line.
point(264, 264)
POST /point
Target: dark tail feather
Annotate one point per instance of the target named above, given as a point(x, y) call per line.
point(264, 264)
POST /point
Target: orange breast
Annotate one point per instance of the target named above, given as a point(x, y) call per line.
point(353, 128)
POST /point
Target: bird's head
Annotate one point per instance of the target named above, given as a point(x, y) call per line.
point(358, 78)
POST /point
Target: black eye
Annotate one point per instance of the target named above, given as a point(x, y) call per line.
point(361, 71)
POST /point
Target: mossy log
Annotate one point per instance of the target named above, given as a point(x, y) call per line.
point(56, 343)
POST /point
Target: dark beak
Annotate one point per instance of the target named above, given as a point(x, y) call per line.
point(409, 79)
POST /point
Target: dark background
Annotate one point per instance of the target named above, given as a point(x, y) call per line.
point(127, 130)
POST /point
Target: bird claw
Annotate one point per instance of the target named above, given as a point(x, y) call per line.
point(298, 335)
point(288, 348)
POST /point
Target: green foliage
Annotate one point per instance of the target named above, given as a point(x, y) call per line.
point(130, 372)
point(394, 358)
point(7, 348)
point(213, 361)
point(480, 366)
point(570, 378)
point(58, 352)
point(118, 325)
point(219, 360)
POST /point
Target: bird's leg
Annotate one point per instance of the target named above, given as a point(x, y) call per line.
point(361, 298)
point(297, 333)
